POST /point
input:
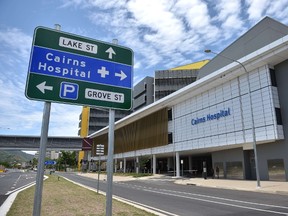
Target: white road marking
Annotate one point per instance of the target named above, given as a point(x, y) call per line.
point(221, 203)
point(188, 196)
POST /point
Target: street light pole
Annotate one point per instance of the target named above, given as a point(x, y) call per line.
point(252, 115)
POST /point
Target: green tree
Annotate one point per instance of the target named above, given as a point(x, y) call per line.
point(34, 162)
point(143, 160)
point(67, 159)
point(5, 164)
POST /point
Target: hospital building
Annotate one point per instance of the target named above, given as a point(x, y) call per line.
point(234, 116)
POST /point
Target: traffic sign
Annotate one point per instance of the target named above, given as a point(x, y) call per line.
point(100, 149)
point(50, 162)
point(67, 68)
point(87, 144)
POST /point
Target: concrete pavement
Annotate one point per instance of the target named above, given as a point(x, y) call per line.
point(103, 177)
point(275, 187)
point(245, 185)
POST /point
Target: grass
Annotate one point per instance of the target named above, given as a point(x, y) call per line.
point(61, 197)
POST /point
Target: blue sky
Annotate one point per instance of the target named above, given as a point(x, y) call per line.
point(162, 33)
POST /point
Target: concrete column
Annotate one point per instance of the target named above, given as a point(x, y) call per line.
point(121, 165)
point(124, 168)
point(177, 165)
point(137, 164)
point(169, 163)
point(190, 163)
point(154, 164)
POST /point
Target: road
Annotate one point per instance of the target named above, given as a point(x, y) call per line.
point(14, 180)
point(165, 197)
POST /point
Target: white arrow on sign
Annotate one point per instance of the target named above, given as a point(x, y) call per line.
point(111, 52)
point(122, 75)
point(42, 87)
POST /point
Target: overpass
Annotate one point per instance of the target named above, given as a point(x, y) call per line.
point(32, 143)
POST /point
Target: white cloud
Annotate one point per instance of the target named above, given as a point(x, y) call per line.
point(72, 3)
point(137, 65)
point(64, 119)
point(279, 10)
point(257, 8)
point(14, 107)
point(229, 16)
point(166, 32)
point(17, 42)
point(104, 4)
point(20, 115)
point(162, 33)
point(151, 36)
point(228, 8)
point(195, 13)
point(17, 112)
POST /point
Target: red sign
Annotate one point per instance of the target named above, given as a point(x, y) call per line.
point(87, 144)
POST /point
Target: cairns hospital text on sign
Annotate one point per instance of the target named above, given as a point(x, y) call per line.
point(67, 68)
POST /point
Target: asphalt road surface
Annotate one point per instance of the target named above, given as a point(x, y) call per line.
point(14, 180)
point(165, 197)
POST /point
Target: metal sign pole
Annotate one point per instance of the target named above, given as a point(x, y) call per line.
point(110, 163)
point(110, 158)
point(42, 154)
point(41, 160)
point(99, 169)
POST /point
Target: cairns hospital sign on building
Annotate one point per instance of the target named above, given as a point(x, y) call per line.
point(209, 117)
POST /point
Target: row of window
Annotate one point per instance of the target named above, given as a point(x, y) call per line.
point(174, 81)
point(274, 83)
point(161, 94)
point(273, 77)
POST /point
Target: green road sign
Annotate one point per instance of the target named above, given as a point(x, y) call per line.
point(67, 68)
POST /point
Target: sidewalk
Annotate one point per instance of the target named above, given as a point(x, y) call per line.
point(245, 185)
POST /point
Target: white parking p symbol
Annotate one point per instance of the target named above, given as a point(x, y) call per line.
point(69, 90)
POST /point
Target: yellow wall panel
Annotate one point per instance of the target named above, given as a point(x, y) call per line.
point(195, 66)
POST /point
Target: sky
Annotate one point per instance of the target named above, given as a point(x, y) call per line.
point(162, 34)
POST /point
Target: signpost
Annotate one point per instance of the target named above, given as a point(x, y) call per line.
point(71, 69)
point(99, 152)
point(67, 68)
point(50, 162)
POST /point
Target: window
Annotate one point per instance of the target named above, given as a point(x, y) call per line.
point(170, 138)
point(169, 114)
point(273, 77)
point(278, 116)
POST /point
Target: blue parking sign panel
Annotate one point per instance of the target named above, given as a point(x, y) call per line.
point(69, 90)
